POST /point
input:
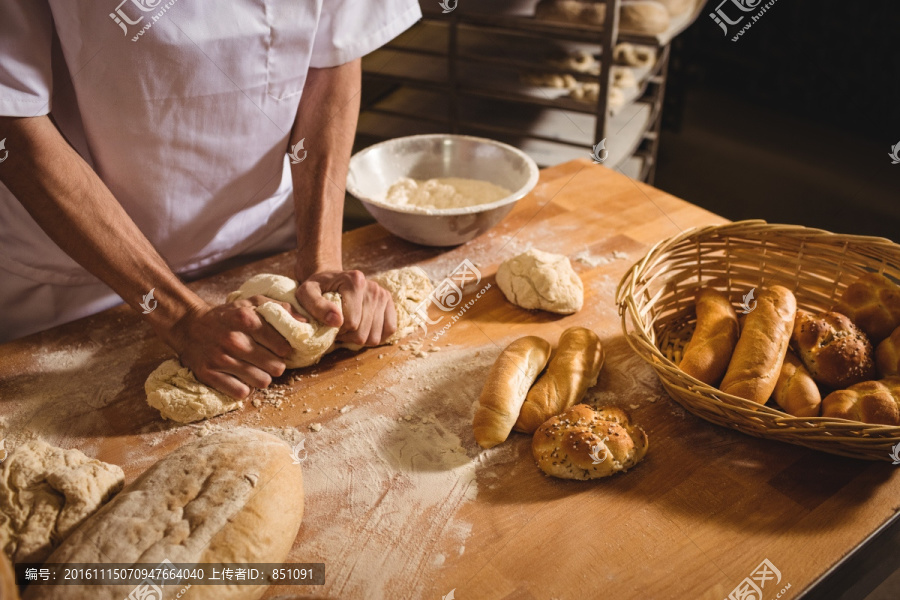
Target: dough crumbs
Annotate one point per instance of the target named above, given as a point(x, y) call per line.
point(315, 427)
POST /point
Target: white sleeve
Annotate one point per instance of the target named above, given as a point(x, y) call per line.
point(26, 81)
point(350, 29)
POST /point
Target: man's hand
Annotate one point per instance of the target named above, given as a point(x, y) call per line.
point(230, 347)
point(368, 318)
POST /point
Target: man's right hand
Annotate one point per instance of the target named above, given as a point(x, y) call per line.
point(230, 347)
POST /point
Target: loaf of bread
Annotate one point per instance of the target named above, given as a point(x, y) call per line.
point(508, 382)
point(8, 589)
point(876, 402)
point(676, 7)
point(756, 363)
point(707, 355)
point(234, 496)
point(887, 355)
point(873, 303)
point(638, 16)
point(835, 352)
point(573, 369)
point(795, 390)
point(585, 444)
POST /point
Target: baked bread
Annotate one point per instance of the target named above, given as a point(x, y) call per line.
point(507, 384)
point(873, 303)
point(634, 56)
point(887, 355)
point(573, 368)
point(795, 391)
point(234, 496)
point(639, 16)
point(756, 363)
point(8, 589)
point(707, 355)
point(869, 402)
point(585, 444)
point(832, 349)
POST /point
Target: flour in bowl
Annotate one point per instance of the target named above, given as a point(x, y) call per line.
point(444, 192)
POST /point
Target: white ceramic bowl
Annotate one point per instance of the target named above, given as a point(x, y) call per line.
point(375, 169)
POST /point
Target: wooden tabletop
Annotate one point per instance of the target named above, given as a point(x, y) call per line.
point(399, 500)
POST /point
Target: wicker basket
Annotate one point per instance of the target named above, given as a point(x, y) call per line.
point(657, 296)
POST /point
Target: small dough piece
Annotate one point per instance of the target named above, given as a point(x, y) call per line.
point(310, 340)
point(875, 402)
point(706, 356)
point(795, 391)
point(506, 387)
point(573, 369)
point(234, 496)
point(585, 444)
point(623, 77)
point(537, 279)
point(887, 355)
point(45, 493)
point(173, 390)
point(634, 56)
point(641, 16)
point(835, 352)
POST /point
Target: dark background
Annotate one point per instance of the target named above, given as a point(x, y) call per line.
point(792, 123)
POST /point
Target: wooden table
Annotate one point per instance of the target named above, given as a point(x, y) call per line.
point(696, 517)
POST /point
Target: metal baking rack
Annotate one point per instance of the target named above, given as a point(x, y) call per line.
point(460, 73)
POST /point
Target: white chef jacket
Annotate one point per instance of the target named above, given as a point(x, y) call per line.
point(183, 107)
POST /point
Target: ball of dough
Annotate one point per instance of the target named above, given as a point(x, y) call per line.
point(537, 279)
point(45, 493)
point(173, 390)
point(409, 287)
point(585, 444)
point(310, 340)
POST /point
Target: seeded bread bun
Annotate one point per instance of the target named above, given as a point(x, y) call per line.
point(835, 352)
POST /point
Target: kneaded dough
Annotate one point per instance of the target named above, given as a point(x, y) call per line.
point(310, 340)
point(173, 390)
point(45, 493)
point(537, 279)
point(409, 287)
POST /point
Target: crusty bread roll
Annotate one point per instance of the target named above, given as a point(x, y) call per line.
point(574, 367)
point(869, 402)
point(795, 390)
point(507, 384)
point(834, 351)
point(756, 363)
point(234, 496)
point(887, 355)
point(585, 444)
point(638, 16)
point(873, 303)
point(707, 355)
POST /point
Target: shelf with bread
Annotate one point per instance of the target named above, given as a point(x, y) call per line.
point(528, 81)
point(778, 331)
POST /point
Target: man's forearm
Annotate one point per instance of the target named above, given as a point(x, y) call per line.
point(79, 213)
point(326, 120)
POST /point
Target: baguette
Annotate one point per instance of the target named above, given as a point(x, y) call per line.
point(512, 375)
point(573, 368)
point(795, 391)
point(706, 356)
point(756, 363)
point(232, 497)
